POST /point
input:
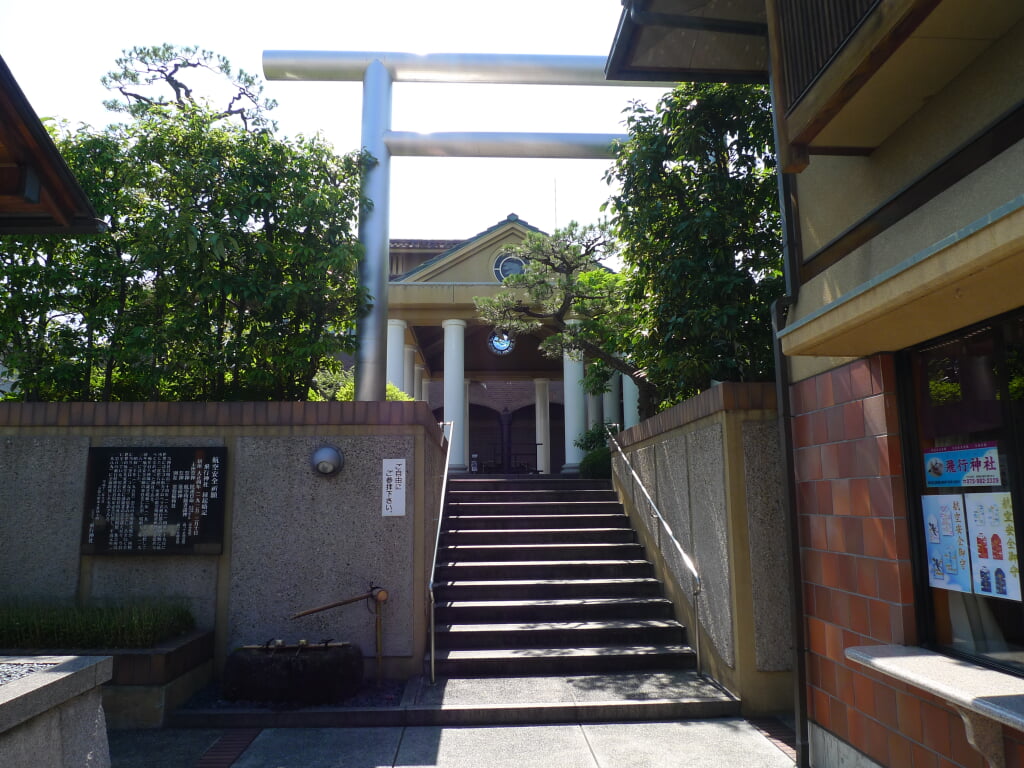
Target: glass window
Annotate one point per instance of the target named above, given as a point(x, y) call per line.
point(508, 264)
point(968, 391)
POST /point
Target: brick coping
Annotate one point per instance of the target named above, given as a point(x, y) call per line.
point(242, 414)
point(727, 396)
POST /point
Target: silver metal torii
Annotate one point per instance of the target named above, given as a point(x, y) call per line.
point(378, 71)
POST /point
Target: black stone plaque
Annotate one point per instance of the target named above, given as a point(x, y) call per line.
point(154, 501)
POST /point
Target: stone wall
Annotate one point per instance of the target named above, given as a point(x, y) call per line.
point(713, 467)
point(294, 539)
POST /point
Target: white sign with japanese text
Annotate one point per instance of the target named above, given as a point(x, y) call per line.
point(393, 499)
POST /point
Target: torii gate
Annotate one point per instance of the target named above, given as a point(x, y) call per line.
point(378, 71)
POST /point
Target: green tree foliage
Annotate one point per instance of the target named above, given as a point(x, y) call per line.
point(697, 216)
point(566, 296)
point(228, 269)
point(341, 385)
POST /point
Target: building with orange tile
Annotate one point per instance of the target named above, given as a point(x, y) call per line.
point(901, 140)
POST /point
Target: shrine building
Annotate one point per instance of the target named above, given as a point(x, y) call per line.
point(518, 412)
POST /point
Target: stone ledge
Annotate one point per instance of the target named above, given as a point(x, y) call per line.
point(34, 694)
point(985, 698)
point(154, 665)
point(729, 396)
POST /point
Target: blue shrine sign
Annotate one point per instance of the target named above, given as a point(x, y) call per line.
point(961, 466)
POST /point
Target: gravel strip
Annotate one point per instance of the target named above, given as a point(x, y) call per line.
point(11, 672)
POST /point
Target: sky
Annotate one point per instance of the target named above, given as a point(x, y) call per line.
point(59, 49)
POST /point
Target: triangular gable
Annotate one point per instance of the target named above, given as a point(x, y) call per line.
point(472, 261)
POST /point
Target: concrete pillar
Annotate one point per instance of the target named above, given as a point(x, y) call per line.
point(425, 388)
point(455, 388)
point(542, 422)
point(612, 412)
point(396, 352)
point(418, 387)
point(630, 403)
point(575, 412)
point(409, 369)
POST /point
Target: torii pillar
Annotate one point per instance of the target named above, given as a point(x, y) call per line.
point(378, 71)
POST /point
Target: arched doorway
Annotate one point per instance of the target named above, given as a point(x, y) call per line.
point(524, 438)
point(485, 440)
point(503, 443)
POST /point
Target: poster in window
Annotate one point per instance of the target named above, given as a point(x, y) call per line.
point(993, 542)
point(947, 540)
point(959, 466)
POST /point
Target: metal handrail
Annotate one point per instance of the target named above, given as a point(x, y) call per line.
point(687, 560)
point(437, 539)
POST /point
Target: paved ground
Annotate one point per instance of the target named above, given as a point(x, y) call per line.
point(439, 728)
point(716, 743)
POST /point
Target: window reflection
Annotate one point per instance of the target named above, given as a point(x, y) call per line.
point(967, 393)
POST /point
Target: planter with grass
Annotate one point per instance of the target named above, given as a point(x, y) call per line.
point(159, 658)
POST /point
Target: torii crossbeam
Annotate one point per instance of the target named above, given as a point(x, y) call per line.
point(378, 71)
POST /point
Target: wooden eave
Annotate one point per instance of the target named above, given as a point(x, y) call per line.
point(671, 41)
point(901, 54)
point(38, 192)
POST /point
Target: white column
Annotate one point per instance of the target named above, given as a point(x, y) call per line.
point(611, 399)
point(396, 352)
point(542, 421)
point(425, 388)
point(630, 403)
point(575, 412)
point(409, 371)
point(417, 382)
point(455, 388)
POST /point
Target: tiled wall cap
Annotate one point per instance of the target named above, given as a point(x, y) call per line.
point(984, 697)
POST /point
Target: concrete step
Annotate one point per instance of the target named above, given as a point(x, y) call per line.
point(580, 609)
point(462, 553)
point(510, 662)
point(560, 634)
point(518, 537)
point(513, 522)
point(547, 589)
point(669, 694)
point(566, 507)
point(526, 483)
point(456, 496)
point(543, 569)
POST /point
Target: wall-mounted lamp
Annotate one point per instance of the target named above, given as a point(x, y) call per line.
point(328, 460)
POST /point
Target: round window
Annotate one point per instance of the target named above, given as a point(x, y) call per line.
point(508, 264)
point(500, 343)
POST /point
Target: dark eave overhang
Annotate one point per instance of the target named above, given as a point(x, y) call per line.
point(669, 40)
point(38, 192)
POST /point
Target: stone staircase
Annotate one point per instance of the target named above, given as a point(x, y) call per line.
point(549, 611)
point(543, 576)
